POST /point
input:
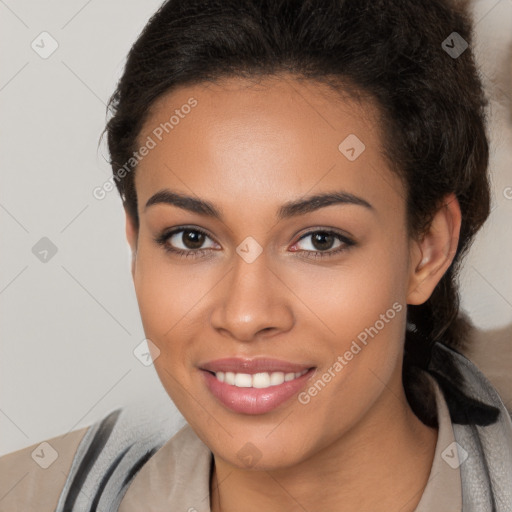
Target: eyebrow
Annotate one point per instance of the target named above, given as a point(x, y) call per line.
point(287, 210)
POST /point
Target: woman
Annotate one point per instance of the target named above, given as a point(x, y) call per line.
point(301, 181)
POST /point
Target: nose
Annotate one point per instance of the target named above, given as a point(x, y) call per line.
point(252, 301)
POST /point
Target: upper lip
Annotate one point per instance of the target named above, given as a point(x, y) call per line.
point(251, 366)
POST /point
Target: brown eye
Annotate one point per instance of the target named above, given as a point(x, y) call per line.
point(185, 241)
point(192, 239)
point(321, 242)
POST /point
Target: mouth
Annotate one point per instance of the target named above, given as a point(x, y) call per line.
point(261, 380)
point(255, 386)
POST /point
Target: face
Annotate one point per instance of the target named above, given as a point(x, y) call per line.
point(308, 294)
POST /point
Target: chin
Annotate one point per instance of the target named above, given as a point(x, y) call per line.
point(249, 456)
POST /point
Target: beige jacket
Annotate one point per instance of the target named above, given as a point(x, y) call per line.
point(176, 477)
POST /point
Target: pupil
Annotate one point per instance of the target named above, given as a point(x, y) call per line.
point(193, 239)
point(320, 238)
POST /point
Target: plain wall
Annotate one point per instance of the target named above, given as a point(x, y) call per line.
point(70, 324)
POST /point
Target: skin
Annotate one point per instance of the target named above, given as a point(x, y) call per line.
point(248, 149)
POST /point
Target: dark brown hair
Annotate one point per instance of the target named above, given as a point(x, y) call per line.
point(431, 102)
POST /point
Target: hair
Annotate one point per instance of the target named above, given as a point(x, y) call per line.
point(432, 110)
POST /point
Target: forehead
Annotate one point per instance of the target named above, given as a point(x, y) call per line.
point(260, 141)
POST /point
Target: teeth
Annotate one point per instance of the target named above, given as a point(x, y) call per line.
point(257, 380)
point(243, 380)
point(276, 378)
point(263, 380)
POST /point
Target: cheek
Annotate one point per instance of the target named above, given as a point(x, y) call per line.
point(161, 309)
point(361, 306)
point(351, 296)
point(171, 296)
point(164, 300)
point(167, 292)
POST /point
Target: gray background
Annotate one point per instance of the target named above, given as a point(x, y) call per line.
point(70, 324)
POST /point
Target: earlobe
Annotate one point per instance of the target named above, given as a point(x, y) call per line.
point(432, 255)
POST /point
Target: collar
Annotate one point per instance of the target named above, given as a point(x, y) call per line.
point(483, 430)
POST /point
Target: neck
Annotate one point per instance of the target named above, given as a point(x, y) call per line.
point(383, 463)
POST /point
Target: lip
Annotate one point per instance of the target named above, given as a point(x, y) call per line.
point(253, 401)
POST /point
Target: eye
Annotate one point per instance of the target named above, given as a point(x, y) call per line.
point(185, 242)
point(322, 241)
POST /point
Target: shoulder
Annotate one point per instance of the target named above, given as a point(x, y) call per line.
point(491, 352)
point(184, 458)
point(482, 427)
point(90, 468)
point(112, 452)
point(33, 477)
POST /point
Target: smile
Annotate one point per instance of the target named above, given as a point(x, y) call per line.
point(254, 386)
point(257, 380)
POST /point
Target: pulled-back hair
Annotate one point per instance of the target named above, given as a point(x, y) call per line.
point(431, 103)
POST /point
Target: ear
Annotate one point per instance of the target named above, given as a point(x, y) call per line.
point(131, 237)
point(432, 255)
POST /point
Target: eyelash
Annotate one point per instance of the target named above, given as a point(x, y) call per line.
point(197, 253)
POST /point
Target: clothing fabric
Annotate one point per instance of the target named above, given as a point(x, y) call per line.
point(150, 460)
point(25, 485)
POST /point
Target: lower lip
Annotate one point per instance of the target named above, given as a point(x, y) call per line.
point(254, 400)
